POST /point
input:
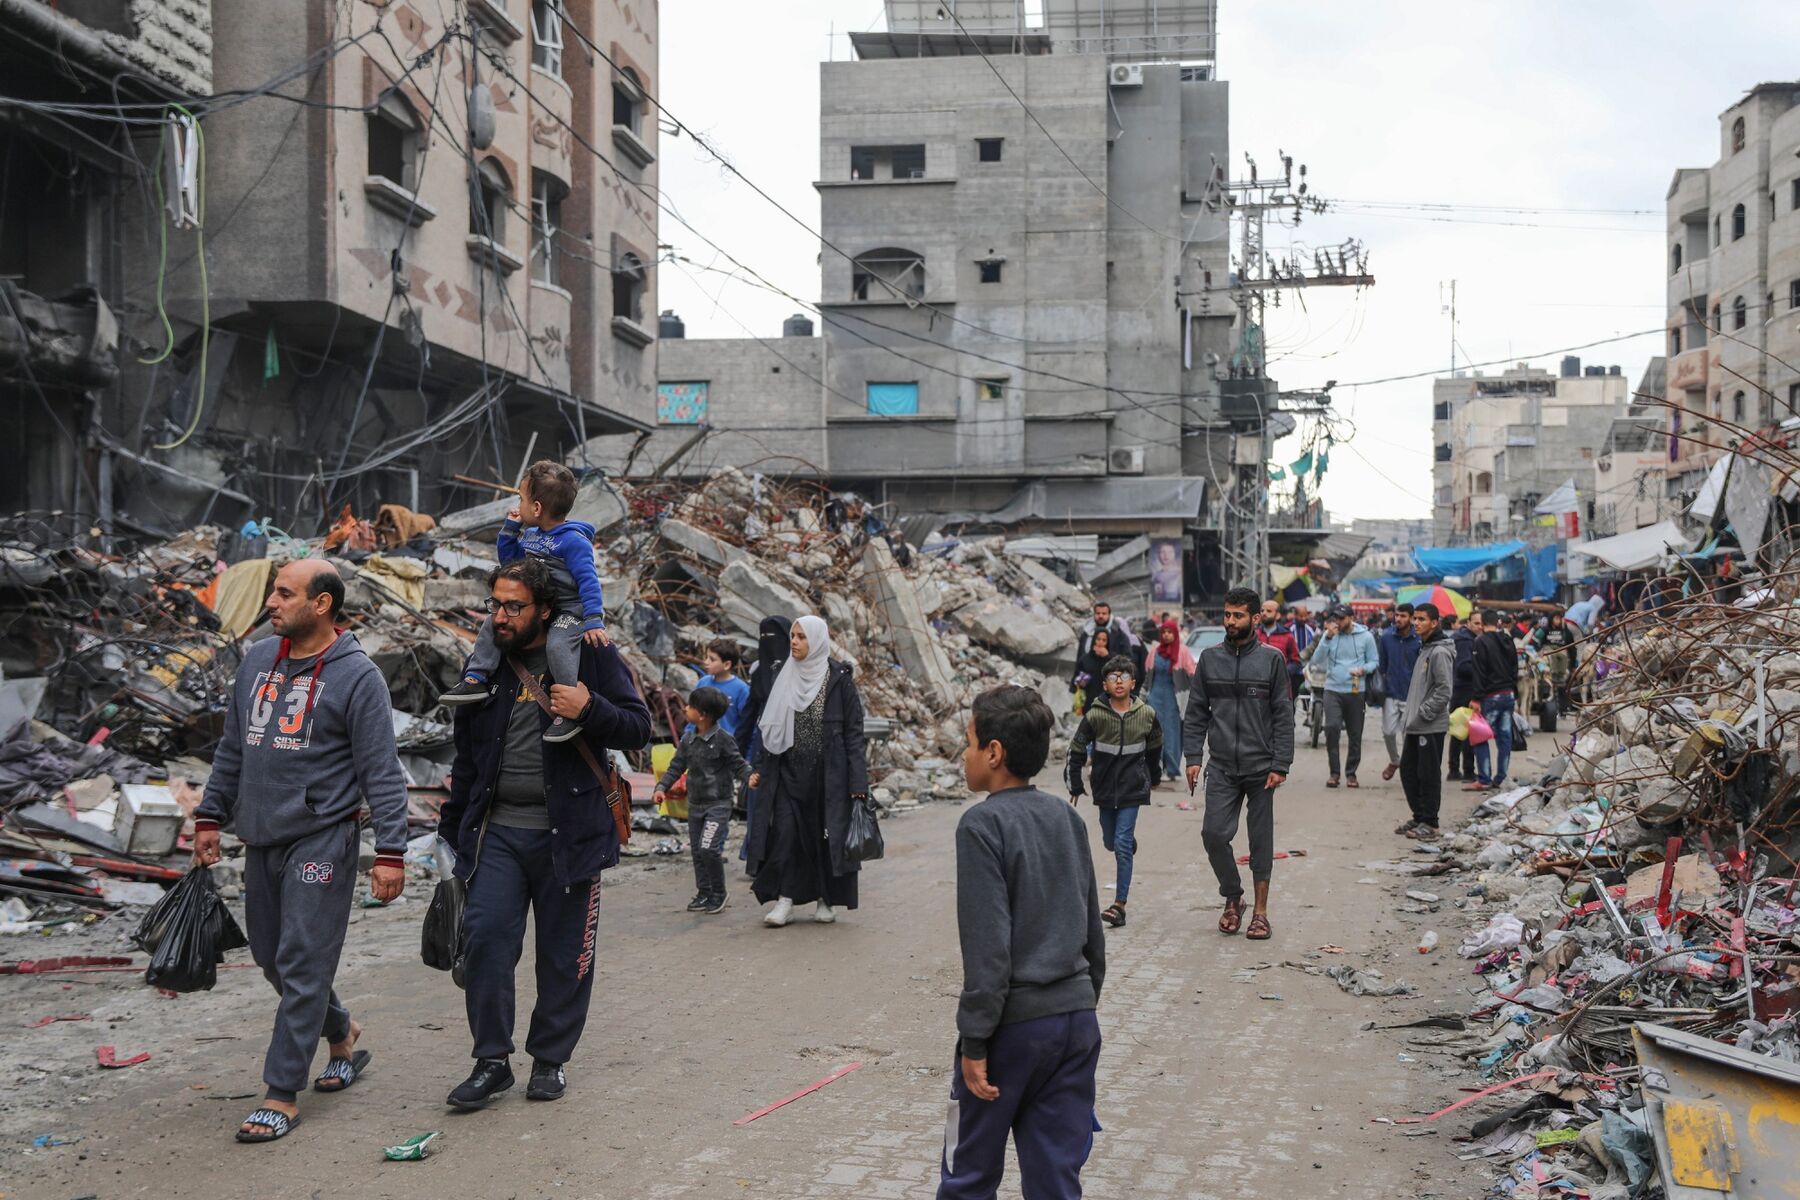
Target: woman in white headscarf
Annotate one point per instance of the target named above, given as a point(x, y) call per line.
point(813, 761)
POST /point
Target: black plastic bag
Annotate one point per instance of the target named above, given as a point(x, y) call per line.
point(187, 934)
point(863, 843)
point(441, 937)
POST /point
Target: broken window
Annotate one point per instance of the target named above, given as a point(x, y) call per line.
point(893, 399)
point(990, 269)
point(393, 140)
point(547, 194)
point(487, 206)
point(1675, 257)
point(1737, 222)
point(547, 36)
point(988, 149)
point(888, 274)
point(909, 162)
point(988, 390)
point(1737, 135)
point(628, 101)
point(628, 287)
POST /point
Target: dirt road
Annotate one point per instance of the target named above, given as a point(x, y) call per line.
point(1225, 1073)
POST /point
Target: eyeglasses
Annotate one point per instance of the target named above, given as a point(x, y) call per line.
point(1121, 677)
point(513, 607)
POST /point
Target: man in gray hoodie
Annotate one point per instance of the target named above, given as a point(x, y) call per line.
point(309, 736)
point(1426, 720)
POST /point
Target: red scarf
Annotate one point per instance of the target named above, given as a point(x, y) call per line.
point(1170, 649)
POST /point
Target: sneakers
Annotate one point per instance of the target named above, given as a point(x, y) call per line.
point(561, 730)
point(547, 1081)
point(714, 905)
point(779, 915)
point(824, 914)
point(699, 902)
point(469, 691)
point(490, 1077)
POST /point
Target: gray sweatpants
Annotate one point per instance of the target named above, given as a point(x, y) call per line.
point(1226, 796)
point(296, 910)
point(562, 646)
point(1393, 727)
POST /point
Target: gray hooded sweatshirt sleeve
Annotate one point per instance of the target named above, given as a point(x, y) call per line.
point(304, 747)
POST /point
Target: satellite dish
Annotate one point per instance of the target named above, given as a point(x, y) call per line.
point(1281, 424)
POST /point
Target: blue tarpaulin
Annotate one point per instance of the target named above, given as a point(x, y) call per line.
point(1540, 574)
point(1460, 560)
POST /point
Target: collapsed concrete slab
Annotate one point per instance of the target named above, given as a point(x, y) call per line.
point(915, 642)
point(747, 594)
point(697, 542)
point(1021, 628)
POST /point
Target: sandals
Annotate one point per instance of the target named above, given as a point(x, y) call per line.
point(1114, 915)
point(1351, 782)
point(1260, 930)
point(1232, 917)
point(340, 1073)
point(1405, 830)
point(278, 1124)
point(1332, 782)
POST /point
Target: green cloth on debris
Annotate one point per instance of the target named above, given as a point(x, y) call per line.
point(1556, 1137)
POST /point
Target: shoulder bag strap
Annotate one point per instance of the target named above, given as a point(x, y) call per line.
point(609, 780)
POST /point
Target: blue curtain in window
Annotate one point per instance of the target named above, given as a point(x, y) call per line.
point(893, 399)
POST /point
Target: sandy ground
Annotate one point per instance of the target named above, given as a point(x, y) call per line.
point(1225, 1072)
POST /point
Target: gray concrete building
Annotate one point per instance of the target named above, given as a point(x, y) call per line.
point(1733, 262)
point(361, 295)
point(1021, 221)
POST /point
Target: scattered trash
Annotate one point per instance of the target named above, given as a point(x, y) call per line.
point(808, 1090)
point(1429, 942)
point(1365, 983)
point(108, 1058)
point(43, 1021)
point(45, 1140)
point(413, 1149)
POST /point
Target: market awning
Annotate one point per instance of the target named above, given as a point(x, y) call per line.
point(1638, 549)
point(1460, 560)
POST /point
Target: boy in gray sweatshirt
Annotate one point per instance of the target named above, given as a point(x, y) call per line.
point(309, 736)
point(1034, 957)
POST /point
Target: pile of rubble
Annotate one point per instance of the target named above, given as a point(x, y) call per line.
point(115, 664)
point(1638, 916)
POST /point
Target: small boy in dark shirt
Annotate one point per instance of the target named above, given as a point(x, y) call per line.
point(1034, 957)
point(714, 766)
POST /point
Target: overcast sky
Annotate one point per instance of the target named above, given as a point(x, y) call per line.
point(1531, 106)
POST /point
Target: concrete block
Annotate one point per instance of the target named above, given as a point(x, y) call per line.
point(747, 594)
point(698, 542)
point(1020, 629)
point(915, 642)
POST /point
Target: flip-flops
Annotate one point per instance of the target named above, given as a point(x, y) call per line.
point(278, 1124)
point(340, 1073)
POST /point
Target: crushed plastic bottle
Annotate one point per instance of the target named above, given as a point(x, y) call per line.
point(1429, 942)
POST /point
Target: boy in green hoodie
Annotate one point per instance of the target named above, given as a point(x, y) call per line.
point(1124, 738)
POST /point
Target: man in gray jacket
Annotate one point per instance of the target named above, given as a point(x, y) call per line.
point(309, 736)
point(1425, 721)
point(1239, 708)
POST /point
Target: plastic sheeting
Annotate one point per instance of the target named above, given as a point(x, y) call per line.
point(1638, 549)
point(1173, 497)
point(1540, 573)
point(1460, 560)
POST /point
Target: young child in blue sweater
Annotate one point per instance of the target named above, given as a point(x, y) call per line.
point(538, 528)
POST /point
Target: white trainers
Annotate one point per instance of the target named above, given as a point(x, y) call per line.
point(824, 914)
point(778, 916)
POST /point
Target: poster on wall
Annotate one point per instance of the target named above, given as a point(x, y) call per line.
point(1165, 571)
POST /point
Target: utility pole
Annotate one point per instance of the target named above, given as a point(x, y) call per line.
point(1451, 309)
point(1244, 533)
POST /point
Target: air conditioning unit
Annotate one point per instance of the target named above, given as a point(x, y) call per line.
point(1128, 75)
point(1125, 460)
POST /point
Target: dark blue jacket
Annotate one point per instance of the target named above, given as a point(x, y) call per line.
point(583, 840)
point(1398, 654)
point(1464, 690)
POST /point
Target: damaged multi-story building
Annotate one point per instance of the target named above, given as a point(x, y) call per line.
point(269, 260)
point(1021, 321)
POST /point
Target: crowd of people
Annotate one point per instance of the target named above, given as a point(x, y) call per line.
point(533, 817)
